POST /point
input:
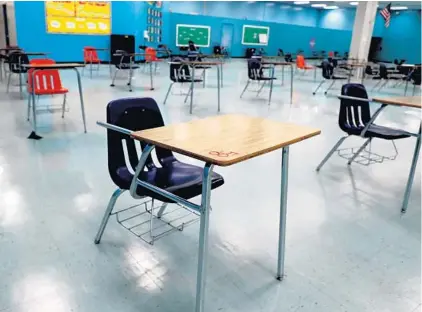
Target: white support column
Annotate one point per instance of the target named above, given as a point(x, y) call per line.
point(362, 30)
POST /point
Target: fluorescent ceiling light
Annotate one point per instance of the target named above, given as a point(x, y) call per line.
point(397, 8)
point(284, 6)
point(354, 3)
point(330, 7)
point(270, 4)
point(301, 2)
point(318, 5)
point(298, 9)
point(251, 2)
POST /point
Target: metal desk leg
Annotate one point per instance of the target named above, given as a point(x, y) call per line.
point(271, 84)
point(150, 76)
point(291, 84)
point(283, 213)
point(1, 68)
point(405, 88)
point(218, 86)
point(130, 76)
point(203, 238)
point(315, 71)
point(20, 85)
point(412, 172)
point(221, 73)
point(34, 115)
point(192, 86)
point(81, 97)
point(282, 75)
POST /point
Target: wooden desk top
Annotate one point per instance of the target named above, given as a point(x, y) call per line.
point(96, 49)
point(275, 63)
point(408, 101)
point(226, 140)
point(33, 53)
point(410, 65)
point(201, 63)
point(53, 66)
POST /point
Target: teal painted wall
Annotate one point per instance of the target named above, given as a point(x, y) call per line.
point(291, 28)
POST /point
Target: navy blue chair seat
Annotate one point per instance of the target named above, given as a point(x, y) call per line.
point(126, 66)
point(376, 131)
point(169, 174)
point(183, 80)
point(178, 178)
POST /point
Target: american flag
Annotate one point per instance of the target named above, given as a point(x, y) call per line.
point(386, 14)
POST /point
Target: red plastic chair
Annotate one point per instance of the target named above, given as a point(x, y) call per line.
point(151, 57)
point(44, 82)
point(91, 57)
point(301, 64)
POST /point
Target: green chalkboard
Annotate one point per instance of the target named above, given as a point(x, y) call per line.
point(250, 35)
point(200, 35)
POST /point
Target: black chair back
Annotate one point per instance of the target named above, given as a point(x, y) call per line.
point(121, 57)
point(327, 70)
point(383, 73)
point(16, 59)
point(368, 70)
point(354, 114)
point(134, 114)
point(254, 68)
point(416, 76)
point(178, 71)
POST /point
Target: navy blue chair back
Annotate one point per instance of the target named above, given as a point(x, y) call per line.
point(327, 70)
point(134, 114)
point(416, 76)
point(354, 114)
point(16, 59)
point(254, 68)
point(122, 58)
point(178, 70)
point(383, 71)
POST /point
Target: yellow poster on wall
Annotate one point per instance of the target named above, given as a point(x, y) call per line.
point(78, 17)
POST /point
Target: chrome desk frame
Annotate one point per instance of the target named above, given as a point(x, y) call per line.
point(203, 209)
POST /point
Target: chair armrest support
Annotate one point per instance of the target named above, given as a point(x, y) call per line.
point(114, 128)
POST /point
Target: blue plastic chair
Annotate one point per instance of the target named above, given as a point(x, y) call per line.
point(133, 114)
point(355, 120)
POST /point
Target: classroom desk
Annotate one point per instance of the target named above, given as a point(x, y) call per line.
point(413, 68)
point(132, 61)
point(94, 49)
point(193, 64)
point(273, 64)
point(404, 101)
point(351, 66)
point(222, 141)
point(28, 54)
point(220, 59)
point(63, 66)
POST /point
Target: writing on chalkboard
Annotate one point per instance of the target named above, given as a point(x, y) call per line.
point(222, 153)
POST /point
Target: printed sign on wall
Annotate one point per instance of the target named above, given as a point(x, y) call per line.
point(78, 17)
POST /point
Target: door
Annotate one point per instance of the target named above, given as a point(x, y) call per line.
point(227, 31)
